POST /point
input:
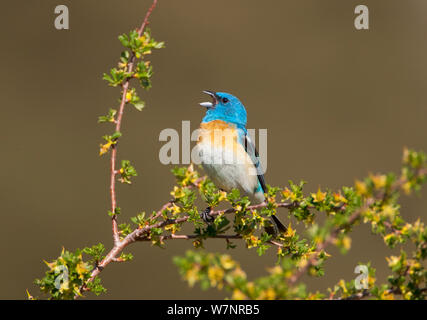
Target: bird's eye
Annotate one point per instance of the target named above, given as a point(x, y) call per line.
point(224, 100)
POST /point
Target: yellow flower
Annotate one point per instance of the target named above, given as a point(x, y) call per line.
point(386, 295)
point(239, 273)
point(407, 295)
point(190, 176)
point(314, 296)
point(407, 187)
point(197, 244)
point(81, 269)
point(238, 295)
point(388, 211)
point(338, 198)
point(406, 228)
point(192, 276)
point(268, 294)
point(222, 196)
point(343, 286)
point(252, 241)
point(392, 261)
point(173, 228)
point(319, 196)
point(177, 192)
point(294, 196)
point(275, 270)
point(286, 193)
point(250, 287)
point(175, 209)
point(371, 281)
point(360, 187)
point(215, 275)
point(128, 96)
point(346, 243)
point(290, 232)
point(227, 262)
point(105, 147)
point(318, 239)
point(379, 181)
point(302, 263)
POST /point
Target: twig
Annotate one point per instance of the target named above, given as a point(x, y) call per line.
point(353, 218)
point(147, 15)
point(118, 245)
point(321, 246)
point(138, 234)
point(196, 236)
point(113, 171)
point(366, 293)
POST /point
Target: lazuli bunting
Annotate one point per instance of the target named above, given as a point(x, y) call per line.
point(226, 152)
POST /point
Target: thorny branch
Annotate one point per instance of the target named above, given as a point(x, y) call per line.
point(138, 234)
point(352, 220)
point(113, 171)
point(142, 233)
point(119, 245)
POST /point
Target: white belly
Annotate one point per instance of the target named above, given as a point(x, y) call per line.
point(229, 170)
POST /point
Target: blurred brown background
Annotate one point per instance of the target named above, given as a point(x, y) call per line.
point(338, 104)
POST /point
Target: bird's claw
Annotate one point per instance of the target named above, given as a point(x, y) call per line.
point(205, 215)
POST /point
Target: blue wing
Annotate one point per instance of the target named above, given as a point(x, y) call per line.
point(253, 154)
point(250, 149)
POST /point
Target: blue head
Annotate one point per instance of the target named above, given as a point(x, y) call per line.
point(225, 107)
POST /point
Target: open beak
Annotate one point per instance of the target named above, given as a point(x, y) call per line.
point(212, 104)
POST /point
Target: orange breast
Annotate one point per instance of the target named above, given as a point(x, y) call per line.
point(218, 133)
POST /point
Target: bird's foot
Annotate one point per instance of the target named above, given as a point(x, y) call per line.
point(205, 215)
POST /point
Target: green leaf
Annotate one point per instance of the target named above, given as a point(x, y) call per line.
point(109, 117)
point(139, 105)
